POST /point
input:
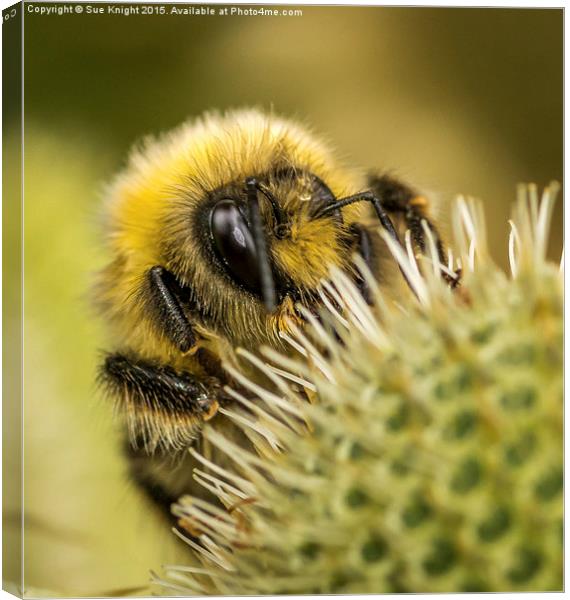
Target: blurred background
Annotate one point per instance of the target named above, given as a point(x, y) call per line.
point(454, 100)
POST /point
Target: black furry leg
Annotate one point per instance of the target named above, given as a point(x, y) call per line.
point(398, 198)
point(164, 408)
point(164, 299)
point(157, 387)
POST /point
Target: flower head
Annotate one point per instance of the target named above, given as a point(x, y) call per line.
point(411, 446)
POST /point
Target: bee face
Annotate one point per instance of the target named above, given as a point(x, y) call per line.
point(183, 204)
point(299, 248)
point(217, 260)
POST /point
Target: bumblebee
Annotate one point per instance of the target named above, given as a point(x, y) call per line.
point(217, 232)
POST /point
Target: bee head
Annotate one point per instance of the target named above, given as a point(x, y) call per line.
point(229, 206)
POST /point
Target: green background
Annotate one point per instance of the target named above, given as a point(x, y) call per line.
point(454, 100)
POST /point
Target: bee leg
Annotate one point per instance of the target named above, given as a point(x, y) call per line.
point(165, 301)
point(366, 251)
point(163, 408)
point(398, 198)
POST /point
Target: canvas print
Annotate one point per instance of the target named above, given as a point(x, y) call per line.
point(283, 299)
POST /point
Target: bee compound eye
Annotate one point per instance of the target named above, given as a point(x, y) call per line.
point(233, 243)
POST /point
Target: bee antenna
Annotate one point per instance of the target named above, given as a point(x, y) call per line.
point(265, 274)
